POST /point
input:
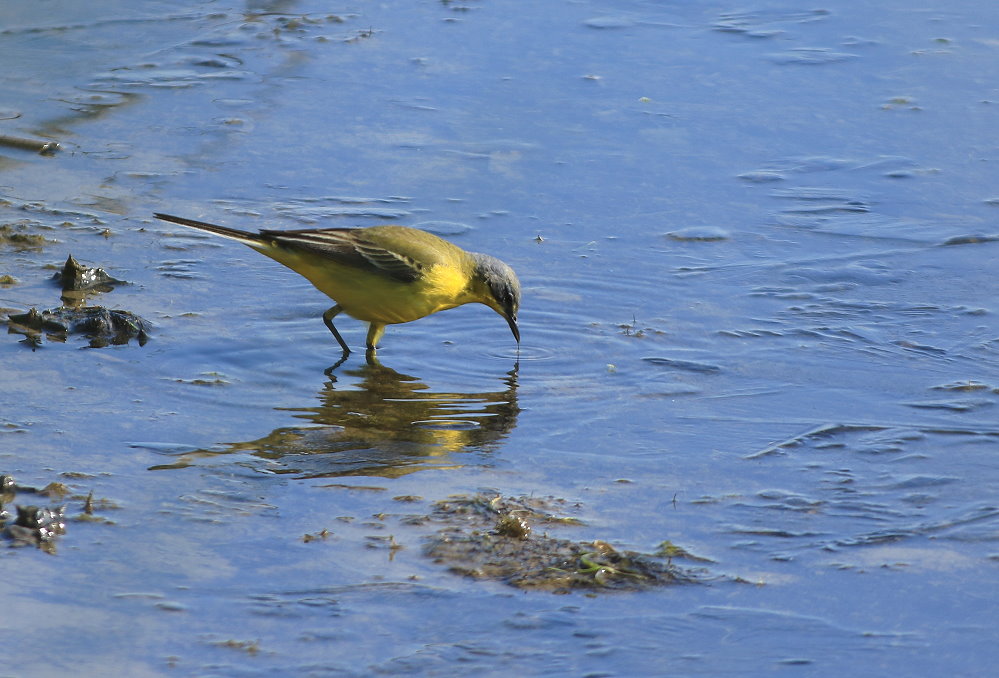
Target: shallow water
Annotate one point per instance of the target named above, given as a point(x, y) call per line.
point(758, 250)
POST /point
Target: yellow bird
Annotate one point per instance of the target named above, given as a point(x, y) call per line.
point(384, 275)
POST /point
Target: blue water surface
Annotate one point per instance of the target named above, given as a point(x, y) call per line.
point(758, 248)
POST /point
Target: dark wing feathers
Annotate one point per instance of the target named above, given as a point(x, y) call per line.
point(397, 265)
point(350, 248)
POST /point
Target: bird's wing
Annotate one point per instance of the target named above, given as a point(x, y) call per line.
point(352, 247)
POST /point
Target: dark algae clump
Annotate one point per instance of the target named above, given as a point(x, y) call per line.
point(38, 517)
point(503, 538)
point(102, 326)
point(31, 524)
point(75, 277)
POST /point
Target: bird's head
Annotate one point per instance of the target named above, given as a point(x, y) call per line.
point(501, 289)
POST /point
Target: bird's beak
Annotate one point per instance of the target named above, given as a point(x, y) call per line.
point(512, 321)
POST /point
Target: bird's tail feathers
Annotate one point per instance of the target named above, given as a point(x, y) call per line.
point(244, 237)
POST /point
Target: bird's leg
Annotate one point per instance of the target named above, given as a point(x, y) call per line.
point(375, 332)
point(328, 319)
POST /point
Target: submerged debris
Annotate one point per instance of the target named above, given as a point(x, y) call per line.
point(42, 146)
point(38, 524)
point(101, 325)
point(31, 525)
point(492, 537)
point(17, 236)
point(75, 277)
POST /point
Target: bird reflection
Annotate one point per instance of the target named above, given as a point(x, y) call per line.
point(380, 423)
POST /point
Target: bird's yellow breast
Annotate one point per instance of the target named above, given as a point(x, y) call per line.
point(388, 301)
point(377, 298)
